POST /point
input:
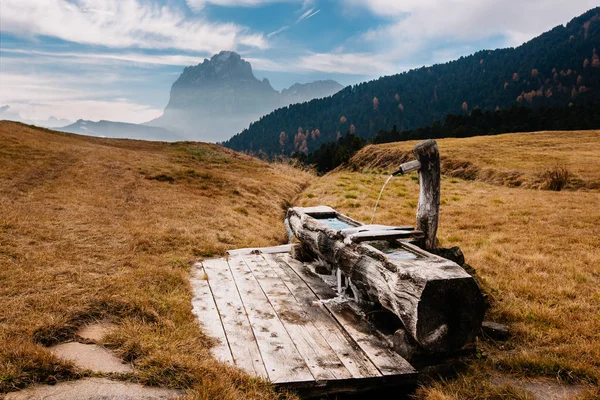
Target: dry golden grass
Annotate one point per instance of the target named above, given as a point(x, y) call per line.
point(516, 159)
point(536, 252)
point(98, 228)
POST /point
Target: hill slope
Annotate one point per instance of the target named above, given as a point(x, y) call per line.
point(555, 69)
point(95, 228)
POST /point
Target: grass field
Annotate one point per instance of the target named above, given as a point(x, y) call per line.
point(96, 228)
point(536, 252)
point(514, 160)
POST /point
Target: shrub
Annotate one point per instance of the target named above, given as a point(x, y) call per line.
point(555, 178)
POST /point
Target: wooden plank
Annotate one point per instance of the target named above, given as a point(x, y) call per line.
point(242, 343)
point(284, 248)
point(383, 235)
point(312, 346)
point(280, 356)
point(350, 354)
point(205, 310)
point(378, 351)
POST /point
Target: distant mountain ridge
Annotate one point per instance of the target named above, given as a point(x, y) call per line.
point(120, 130)
point(558, 68)
point(218, 97)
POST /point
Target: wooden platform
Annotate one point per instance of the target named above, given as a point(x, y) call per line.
point(274, 318)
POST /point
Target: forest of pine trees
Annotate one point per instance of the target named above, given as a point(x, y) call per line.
point(557, 69)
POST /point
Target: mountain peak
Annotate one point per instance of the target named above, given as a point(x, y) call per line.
point(221, 96)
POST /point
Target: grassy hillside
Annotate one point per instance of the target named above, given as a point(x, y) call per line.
point(516, 160)
point(96, 228)
point(536, 252)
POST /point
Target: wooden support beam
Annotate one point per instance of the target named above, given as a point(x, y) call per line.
point(428, 209)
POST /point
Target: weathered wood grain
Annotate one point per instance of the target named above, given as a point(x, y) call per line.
point(205, 309)
point(281, 358)
point(284, 248)
point(340, 341)
point(244, 349)
point(428, 209)
point(312, 346)
point(378, 351)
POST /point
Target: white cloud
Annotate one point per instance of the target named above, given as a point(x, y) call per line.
point(416, 23)
point(278, 31)
point(95, 58)
point(312, 14)
point(343, 63)
point(121, 24)
point(347, 63)
point(40, 96)
point(199, 4)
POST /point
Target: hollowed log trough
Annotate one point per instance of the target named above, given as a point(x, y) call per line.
point(439, 304)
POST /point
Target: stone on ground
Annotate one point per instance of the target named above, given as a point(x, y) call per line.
point(543, 389)
point(95, 332)
point(94, 389)
point(91, 356)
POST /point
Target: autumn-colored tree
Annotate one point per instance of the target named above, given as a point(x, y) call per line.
point(582, 89)
point(343, 120)
point(555, 76)
point(299, 139)
point(401, 107)
point(481, 61)
point(303, 147)
point(574, 93)
point(548, 93)
point(375, 103)
point(505, 85)
point(595, 60)
point(579, 80)
point(338, 135)
point(352, 129)
point(397, 97)
point(515, 77)
point(282, 140)
point(519, 99)
point(529, 96)
point(465, 106)
point(586, 62)
point(534, 73)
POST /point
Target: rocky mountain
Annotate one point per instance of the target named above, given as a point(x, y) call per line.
point(299, 93)
point(120, 130)
point(556, 69)
point(221, 96)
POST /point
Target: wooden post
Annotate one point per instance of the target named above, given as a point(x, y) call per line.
point(429, 195)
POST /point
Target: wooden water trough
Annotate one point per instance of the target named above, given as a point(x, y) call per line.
point(350, 307)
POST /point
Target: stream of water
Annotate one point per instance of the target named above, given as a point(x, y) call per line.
point(379, 198)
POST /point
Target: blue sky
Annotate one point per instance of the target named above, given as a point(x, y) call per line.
point(117, 59)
